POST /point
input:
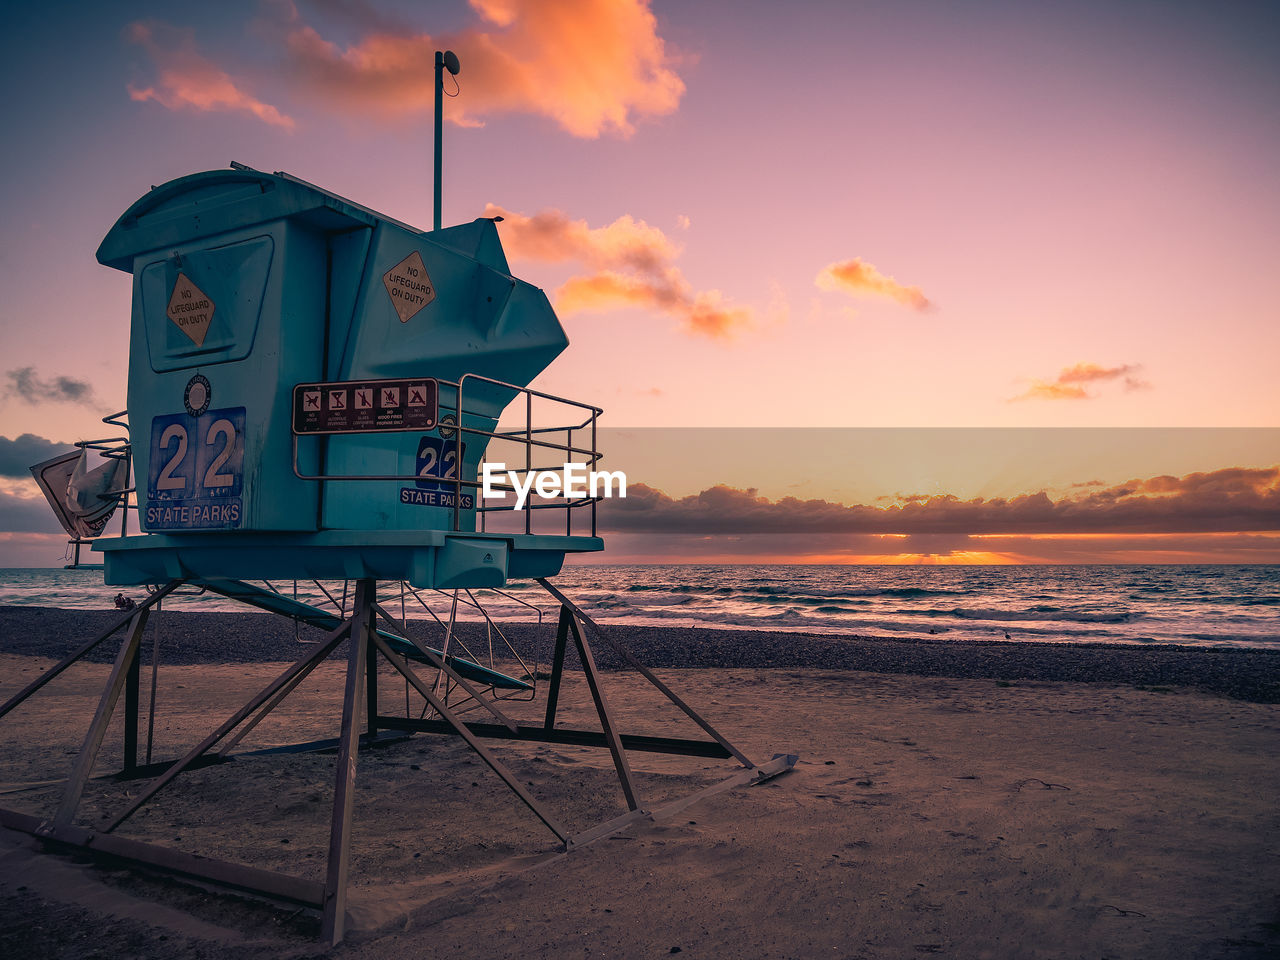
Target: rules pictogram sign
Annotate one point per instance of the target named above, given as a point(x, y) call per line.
point(366, 406)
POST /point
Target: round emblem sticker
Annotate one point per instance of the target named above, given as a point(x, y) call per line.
point(197, 396)
point(447, 423)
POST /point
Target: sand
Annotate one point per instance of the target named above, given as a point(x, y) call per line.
point(959, 816)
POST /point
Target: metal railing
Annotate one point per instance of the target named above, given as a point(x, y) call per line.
point(111, 448)
point(526, 438)
point(574, 439)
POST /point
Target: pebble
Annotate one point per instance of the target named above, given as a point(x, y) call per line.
point(192, 638)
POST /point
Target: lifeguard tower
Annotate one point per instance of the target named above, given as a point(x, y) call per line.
point(313, 388)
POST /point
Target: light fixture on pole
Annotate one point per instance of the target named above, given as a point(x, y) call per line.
point(446, 60)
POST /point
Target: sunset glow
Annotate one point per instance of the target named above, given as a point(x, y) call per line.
point(749, 216)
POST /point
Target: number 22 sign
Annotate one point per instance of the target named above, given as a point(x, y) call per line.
point(196, 471)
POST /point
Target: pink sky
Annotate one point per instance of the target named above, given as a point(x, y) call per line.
point(749, 214)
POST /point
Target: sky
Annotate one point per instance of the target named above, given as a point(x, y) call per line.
point(750, 216)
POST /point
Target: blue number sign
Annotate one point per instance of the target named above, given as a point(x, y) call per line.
point(197, 471)
point(437, 463)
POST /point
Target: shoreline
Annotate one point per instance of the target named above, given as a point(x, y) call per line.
point(225, 638)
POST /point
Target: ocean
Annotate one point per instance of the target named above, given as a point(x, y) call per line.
point(1199, 606)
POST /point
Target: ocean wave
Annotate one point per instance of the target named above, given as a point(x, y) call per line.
point(1226, 639)
point(789, 593)
point(1053, 614)
point(1244, 601)
point(1239, 606)
point(658, 600)
point(804, 601)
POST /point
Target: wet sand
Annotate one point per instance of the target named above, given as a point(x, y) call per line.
point(950, 800)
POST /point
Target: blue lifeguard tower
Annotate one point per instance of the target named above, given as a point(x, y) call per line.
point(313, 388)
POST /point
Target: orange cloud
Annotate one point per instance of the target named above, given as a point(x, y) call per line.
point(1071, 383)
point(633, 266)
point(858, 279)
point(1224, 501)
point(185, 80)
point(592, 66)
point(703, 312)
point(551, 236)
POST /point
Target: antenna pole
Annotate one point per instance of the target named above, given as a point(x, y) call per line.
point(439, 130)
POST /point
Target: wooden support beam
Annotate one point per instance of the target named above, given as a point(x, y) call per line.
point(323, 649)
point(606, 718)
point(557, 667)
point(617, 647)
point(580, 738)
point(510, 779)
point(333, 919)
point(132, 706)
point(88, 755)
point(84, 649)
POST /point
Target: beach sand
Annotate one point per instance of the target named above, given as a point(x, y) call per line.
point(1002, 812)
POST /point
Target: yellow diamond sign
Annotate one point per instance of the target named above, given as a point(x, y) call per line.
point(189, 309)
point(409, 286)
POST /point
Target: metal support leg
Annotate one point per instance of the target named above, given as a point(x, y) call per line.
point(648, 674)
point(371, 690)
point(334, 916)
point(83, 767)
point(606, 717)
point(557, 667)
point(131, 709)
point(330, 895)
point(155, 673)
